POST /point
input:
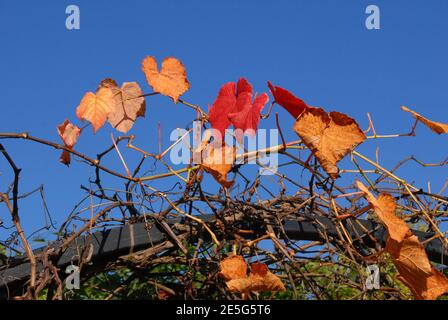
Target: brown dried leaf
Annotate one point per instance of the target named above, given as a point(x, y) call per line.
point(128, 104)
point(65, 158)
point(218, 161)
point(233, 267)
point(108, 83)
point(96, 107)
point(69, 134)
point(436, 127)
point(385, 208)
point(329, 136)
point(171, 81)
point(412, 263)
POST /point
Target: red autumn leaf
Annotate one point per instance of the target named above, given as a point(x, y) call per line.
point(249, 116)
point(243, 86)
point(287, 100)
point(69, 134)
point(234, 105)
point(223, 105)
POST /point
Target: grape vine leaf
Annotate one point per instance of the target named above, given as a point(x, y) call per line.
point(264, 280)
point(248, 117)
point(218, 160)
point(408, 254)
point(234, 105)
point(233, 267)
point(69, 134)
point(385, 207)
point(234, 272)
point(129, 104)
point(415, 271)
point(287, 100)
point(223, 105)
point(171, 81)
point(436, 127)
point(96, 107)
point(329, 136)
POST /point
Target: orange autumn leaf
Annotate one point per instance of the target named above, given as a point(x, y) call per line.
point(96, 107)
point(218, 161)
point(408, 254)
point(436, 127)
point(415, 271)
point(264, 280)
point(233, 267)
point(233, 271)
point(385, 208)
point(241, 285)
point(329, 136)
point(69, 134)
point(128, 104)
point(171, 81)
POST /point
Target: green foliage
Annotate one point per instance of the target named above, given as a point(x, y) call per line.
point(331, 280)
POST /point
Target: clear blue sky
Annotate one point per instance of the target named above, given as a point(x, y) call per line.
point(319, 50)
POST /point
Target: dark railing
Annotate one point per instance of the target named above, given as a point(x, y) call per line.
point(105, 246)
